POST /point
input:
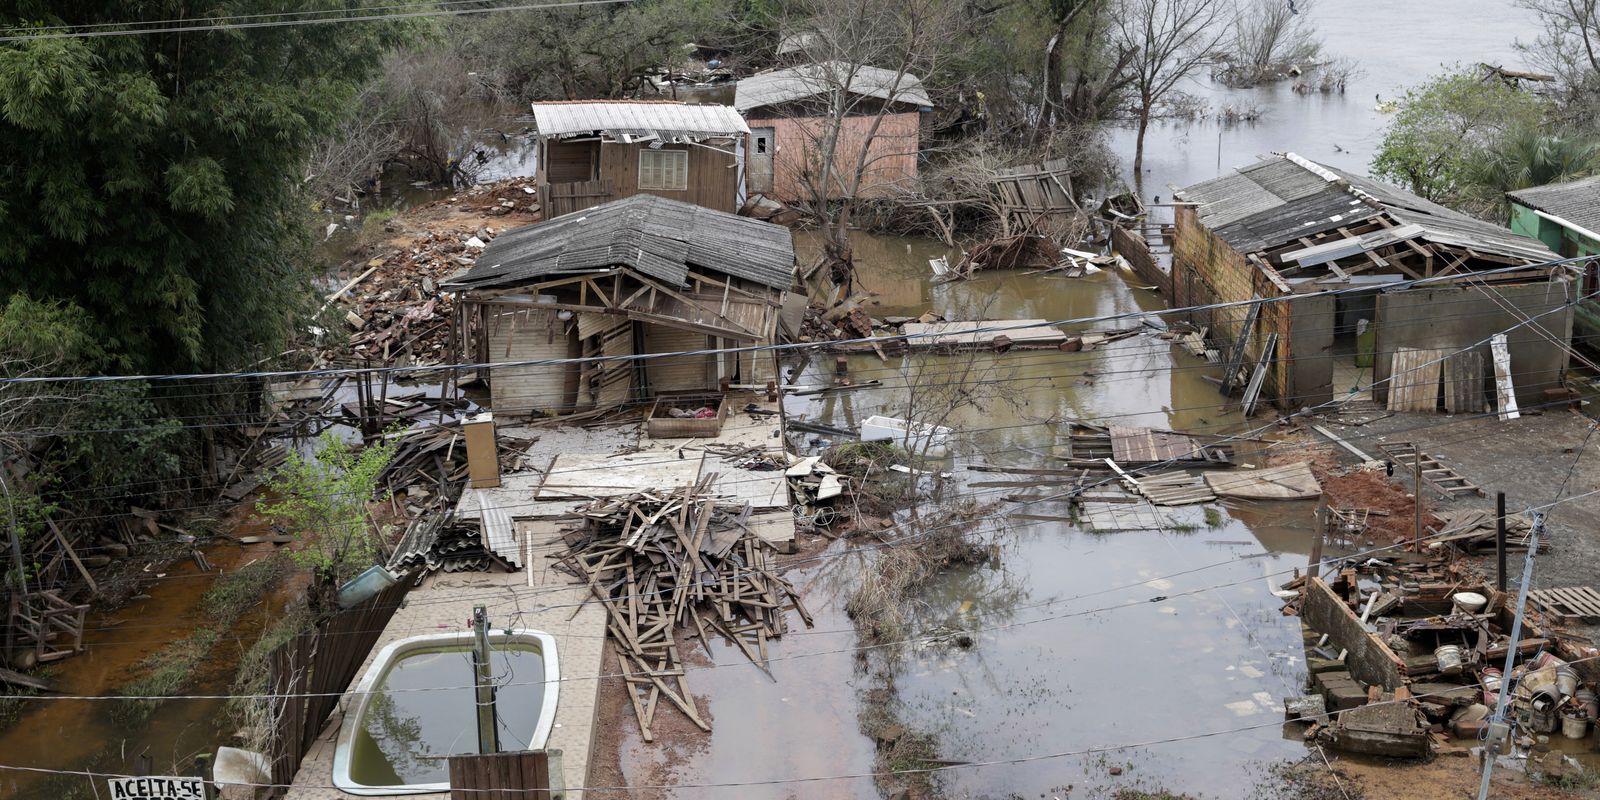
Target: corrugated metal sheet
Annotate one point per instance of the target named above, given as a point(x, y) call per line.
point(1276, 201)
point(809, 80)
point(658, 237)
point(637, 119)
point(1577, 202)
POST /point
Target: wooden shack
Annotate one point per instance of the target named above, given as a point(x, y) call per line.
point(789, 110)
point(1293, 231)
point(641, 275)
point(593, 152)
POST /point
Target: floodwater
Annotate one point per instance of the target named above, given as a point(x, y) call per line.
point(80, 735)
point(1082, 640)
point(1396, 45)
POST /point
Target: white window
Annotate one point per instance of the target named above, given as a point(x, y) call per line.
point(667, 170)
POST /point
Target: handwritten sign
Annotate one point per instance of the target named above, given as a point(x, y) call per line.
point(157, 788)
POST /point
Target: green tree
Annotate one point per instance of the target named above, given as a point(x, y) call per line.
point(322, 501)
point(152, 180)
point(1528, 157)
point(584, 52)
point(1447, 129)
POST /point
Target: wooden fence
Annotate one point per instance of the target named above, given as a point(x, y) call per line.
point(556, 199)
point(309, 672)
point(523, 775)
point(1131, 245)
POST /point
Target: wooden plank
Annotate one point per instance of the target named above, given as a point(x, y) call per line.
point(1252, 393)
point(1414, 375)
point(1463, 383)
point(1505, 392)
point(1241, 344)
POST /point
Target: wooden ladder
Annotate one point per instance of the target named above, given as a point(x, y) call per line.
point(1442, 478)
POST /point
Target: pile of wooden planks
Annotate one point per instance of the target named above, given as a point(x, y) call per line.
point(659, 561)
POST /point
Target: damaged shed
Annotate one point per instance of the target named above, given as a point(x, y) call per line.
point(1287, 227)
point(593, 152)
point(789, 112)
point(635, 276)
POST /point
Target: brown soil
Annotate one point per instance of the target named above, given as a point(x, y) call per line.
point(1445, 778)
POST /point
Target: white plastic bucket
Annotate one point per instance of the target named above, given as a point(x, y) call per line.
point(1574, 726)
point(1449, 657)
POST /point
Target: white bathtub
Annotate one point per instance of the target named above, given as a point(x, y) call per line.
point(364, 761)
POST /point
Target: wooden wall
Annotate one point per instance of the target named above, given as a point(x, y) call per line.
point(529, 334)
point(891, 154)
point(713, 175)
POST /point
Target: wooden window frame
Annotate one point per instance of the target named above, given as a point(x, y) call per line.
point(671, 161)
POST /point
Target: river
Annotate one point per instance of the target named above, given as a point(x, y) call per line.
point(1396, 45)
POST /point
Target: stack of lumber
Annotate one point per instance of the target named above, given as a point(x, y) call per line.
point(1471, 529)
point(663, 560)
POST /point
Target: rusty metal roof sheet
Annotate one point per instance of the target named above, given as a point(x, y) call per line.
point(643, 119)
point(659, 237)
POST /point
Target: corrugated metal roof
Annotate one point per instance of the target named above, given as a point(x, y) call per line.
point(661, 119)
point(1577, 202)
point(808, 80)
point(1276, 201)
point(658, 237)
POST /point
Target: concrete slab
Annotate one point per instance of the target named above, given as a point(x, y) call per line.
point(580, 475)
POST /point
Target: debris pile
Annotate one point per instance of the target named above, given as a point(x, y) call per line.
point(659, 561)
point(1410, 661)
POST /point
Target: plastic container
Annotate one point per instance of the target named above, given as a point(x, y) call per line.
point(1574, 726)
point(1449, 657)
point(1470, 602)
point(1491, 686)
point(1590, 703)
point(365, 586)
point(1566, 680)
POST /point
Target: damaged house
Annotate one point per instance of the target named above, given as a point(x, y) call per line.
point(1287, 227)
point(593, 152)
point(1566, 217)
point(640, 275)
point(790, 111)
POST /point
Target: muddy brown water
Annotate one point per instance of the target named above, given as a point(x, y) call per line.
point(83, 735)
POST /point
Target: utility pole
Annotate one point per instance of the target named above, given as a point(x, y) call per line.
point(1499, 729)
point(1500, 540)
point(488, 740)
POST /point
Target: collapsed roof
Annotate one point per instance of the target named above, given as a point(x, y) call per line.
point(1284, 199)
point(655, 236)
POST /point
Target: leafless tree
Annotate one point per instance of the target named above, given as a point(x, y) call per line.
point(858, 48)
point(1170, 39)
point(1569, 48)
point(1270, 39)
point(1078, 89)
point(356, 151)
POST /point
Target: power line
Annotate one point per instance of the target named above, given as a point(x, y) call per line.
point(1001, 328)
point(227, 26)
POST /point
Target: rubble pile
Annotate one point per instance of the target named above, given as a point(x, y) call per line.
point(392, 305)
point(665, 560)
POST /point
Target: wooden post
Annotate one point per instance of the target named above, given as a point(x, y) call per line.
point(1416, 498)
point(488, 738)
point(1500, 540)
point(1319, 532)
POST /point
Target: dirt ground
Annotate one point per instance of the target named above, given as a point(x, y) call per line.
point(1528, 459)
point(1444, 778)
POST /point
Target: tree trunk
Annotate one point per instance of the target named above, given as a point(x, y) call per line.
point(1051, 110)
point(1138, 148)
